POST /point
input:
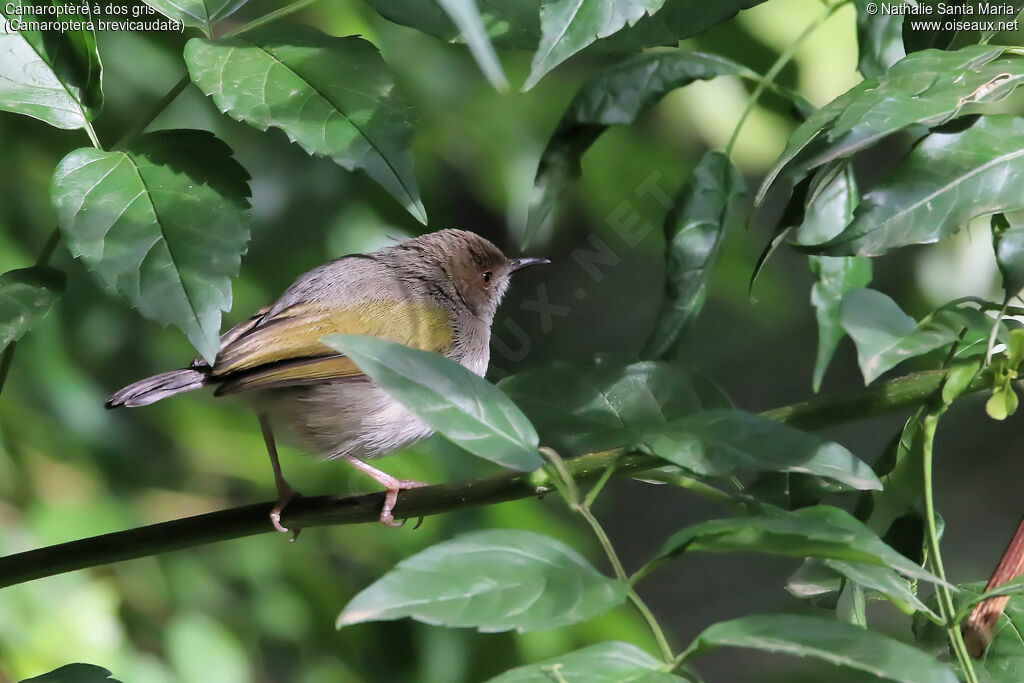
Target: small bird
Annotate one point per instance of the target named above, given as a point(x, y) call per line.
point(438, 292)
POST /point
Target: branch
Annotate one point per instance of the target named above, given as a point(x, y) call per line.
point(885, 397)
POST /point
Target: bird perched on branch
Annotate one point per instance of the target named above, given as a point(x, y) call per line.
point(438, 292)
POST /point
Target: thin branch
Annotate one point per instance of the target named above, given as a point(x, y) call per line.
point(898, 394)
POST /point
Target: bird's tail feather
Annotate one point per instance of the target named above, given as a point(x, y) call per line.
point(157, 387)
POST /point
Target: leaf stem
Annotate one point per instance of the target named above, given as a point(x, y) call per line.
point(774, 71)
point(91, 132)
point(620, 574)
point(946, 609)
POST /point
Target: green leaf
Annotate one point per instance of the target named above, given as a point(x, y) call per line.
point(466, 409)
point(509, 23)
point(335, 97)
point(675, 21)
point(832, 641)
point(886, 336)
point(493, 580)
point(694, 230)
point(26, 295)
point(817, 580)
point(52, 76)
point(819, 531)
point(568, 26)
point(828, 213)
point(718, 442)
point(617, 95)
point(879, 39)
point(466, 16)
point(922, 91)
point(949, 178)
point(163, 222)
point(1003, 661)
point(1008, 243)
point(74, 673)
point(601, 663)
point(580, 408)
point(201, 14)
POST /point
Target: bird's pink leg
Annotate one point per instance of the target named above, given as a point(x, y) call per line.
point(390, 483)
point(284, 492)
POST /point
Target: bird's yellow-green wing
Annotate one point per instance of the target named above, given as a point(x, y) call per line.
point(285, 349)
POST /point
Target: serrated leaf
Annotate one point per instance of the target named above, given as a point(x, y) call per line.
point(831, 641)
point(201, 14)
point(493, 580)
point(677, 20)
point(879, 40)
point(601, 663)
point(949, 178)
point(568, 26)
point(26, 295)
point(466, 409)
point(1008, 243)
point(694, 230)
point(924, 90)
point(334, 97)
point(830, 210)
point(719, 442)
point(163, 222)
point(53, 76)
point(820, 531)
point(580, 408)
point(617, 95)
point(74, 673)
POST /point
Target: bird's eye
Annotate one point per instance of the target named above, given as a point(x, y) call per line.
point(487, 278)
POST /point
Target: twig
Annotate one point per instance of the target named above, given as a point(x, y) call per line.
point(905, 392)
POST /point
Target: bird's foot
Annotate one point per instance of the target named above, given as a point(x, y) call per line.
point(285, 494)
point(391, 497)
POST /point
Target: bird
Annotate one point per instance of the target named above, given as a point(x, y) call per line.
point(437, 292)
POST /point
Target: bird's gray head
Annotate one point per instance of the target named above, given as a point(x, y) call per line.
point(472, 271)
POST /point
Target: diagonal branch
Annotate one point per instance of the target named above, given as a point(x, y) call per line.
point(884, 397)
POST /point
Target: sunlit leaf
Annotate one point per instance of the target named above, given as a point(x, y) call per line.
point(494, 580)
point(879, 39)
point(580, 408)
point(922, 91)
point(54, 76)
point(602, 663)
point(718, 442)
point(335, 97)
point(202, 14)
point(829, 640)
point(163, 222)
point(617, 95)
point(26, 295)
point(694, 230)
point(949, 178)
point(450, 399)
point(820, 531)
point(568, 26)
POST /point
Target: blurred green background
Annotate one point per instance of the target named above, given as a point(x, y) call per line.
point(261, 609)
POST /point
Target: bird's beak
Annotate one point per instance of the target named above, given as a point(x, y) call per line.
point(517, 263)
